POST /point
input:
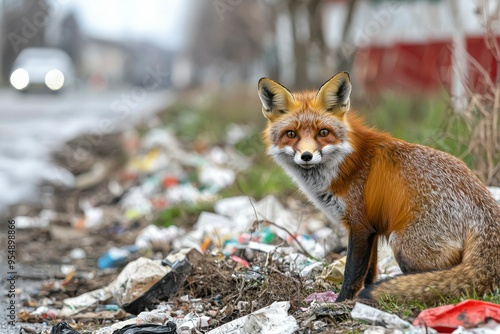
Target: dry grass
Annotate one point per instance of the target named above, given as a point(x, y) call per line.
point(221, 282)
point(472, 132)
point(482, 115)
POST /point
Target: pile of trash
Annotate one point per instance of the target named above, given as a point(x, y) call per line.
point(238, 271)
point(238, 259)
point(245, 266)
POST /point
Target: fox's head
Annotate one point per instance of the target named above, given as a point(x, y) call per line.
point(307, 130)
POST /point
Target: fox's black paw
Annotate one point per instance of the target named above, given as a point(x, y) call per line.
point(366, 293)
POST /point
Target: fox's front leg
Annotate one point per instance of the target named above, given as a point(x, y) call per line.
point(361, 240)
point(371, 275)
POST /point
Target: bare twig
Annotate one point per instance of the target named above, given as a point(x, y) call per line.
point(294, 238)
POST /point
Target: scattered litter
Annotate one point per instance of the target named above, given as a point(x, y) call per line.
point(170, 327)
point(312, 269)
point(375, 317)
point(272, 319)
point(239, 260)
point(68, 269)
point(77, 254)
point(74, 305)
point(192, 323)
point(25, 222)
point(490, 327)
point(333, 273)
point(210, 276)
point(321, 297)
point(156, 318)
point(42, 313)
point(93, 177)
point(387, 265)
point(60, 233)
point(139, 277)
point(236, 133)
point(93, 216)
point(114, 257)
point(63, 328)
point(169, 178)
point(160, 290)
point(216, 178)
point(154, 235)
point(108, 307)
point(140, 285)
point(233, 206)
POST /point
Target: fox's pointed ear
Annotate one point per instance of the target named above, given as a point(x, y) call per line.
point(334, 95)
point(276, 99)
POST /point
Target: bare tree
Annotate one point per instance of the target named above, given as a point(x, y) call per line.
point(71, 37)
point(24, 24)
point(309, 47)
point(474, 131)
point(228, 37)
point(345, 59)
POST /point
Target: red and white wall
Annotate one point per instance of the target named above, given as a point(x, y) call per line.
point(420, 46)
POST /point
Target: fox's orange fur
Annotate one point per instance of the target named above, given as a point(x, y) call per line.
point(443, 224)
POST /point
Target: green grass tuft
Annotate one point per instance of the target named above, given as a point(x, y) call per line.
point(182, 215)
point(409, 310)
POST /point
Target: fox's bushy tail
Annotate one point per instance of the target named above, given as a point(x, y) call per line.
point(432, 287)
point(477, 275)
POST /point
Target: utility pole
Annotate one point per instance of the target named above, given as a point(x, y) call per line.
point(2, 39)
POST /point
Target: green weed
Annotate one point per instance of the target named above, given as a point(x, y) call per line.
point(182, 215)
point(410, 309)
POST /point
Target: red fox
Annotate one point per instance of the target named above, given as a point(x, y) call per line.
point(441, 221)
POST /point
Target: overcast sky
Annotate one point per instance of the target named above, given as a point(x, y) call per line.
point(164, 22)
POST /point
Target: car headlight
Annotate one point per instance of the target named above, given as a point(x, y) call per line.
point(20, 78)
point(54, 79)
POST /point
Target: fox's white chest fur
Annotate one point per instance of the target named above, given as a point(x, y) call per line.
point(332, 206)
point(315, 183)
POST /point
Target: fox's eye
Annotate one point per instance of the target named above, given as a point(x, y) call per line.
point(323, 132)
point(291, 134)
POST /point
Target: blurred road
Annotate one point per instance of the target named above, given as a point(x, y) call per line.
point(34, 125)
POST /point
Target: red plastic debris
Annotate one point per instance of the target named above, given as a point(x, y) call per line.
point(467, 314)
point(239, 260)
point(169, 181)
point(244, 238)
point(159, 203)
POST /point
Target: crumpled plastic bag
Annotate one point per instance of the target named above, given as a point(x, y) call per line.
point(63, 328)
point(170, 327)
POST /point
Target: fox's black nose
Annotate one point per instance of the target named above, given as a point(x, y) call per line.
point(306, 156)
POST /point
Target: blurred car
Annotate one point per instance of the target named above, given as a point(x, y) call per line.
point(42, 69)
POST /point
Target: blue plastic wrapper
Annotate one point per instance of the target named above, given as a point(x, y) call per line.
point(115, 257)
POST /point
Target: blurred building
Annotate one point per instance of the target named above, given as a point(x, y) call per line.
point(100, 62)
point(106, 64)
point(418, 45)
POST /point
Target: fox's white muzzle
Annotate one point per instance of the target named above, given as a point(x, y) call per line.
point(307, 159)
